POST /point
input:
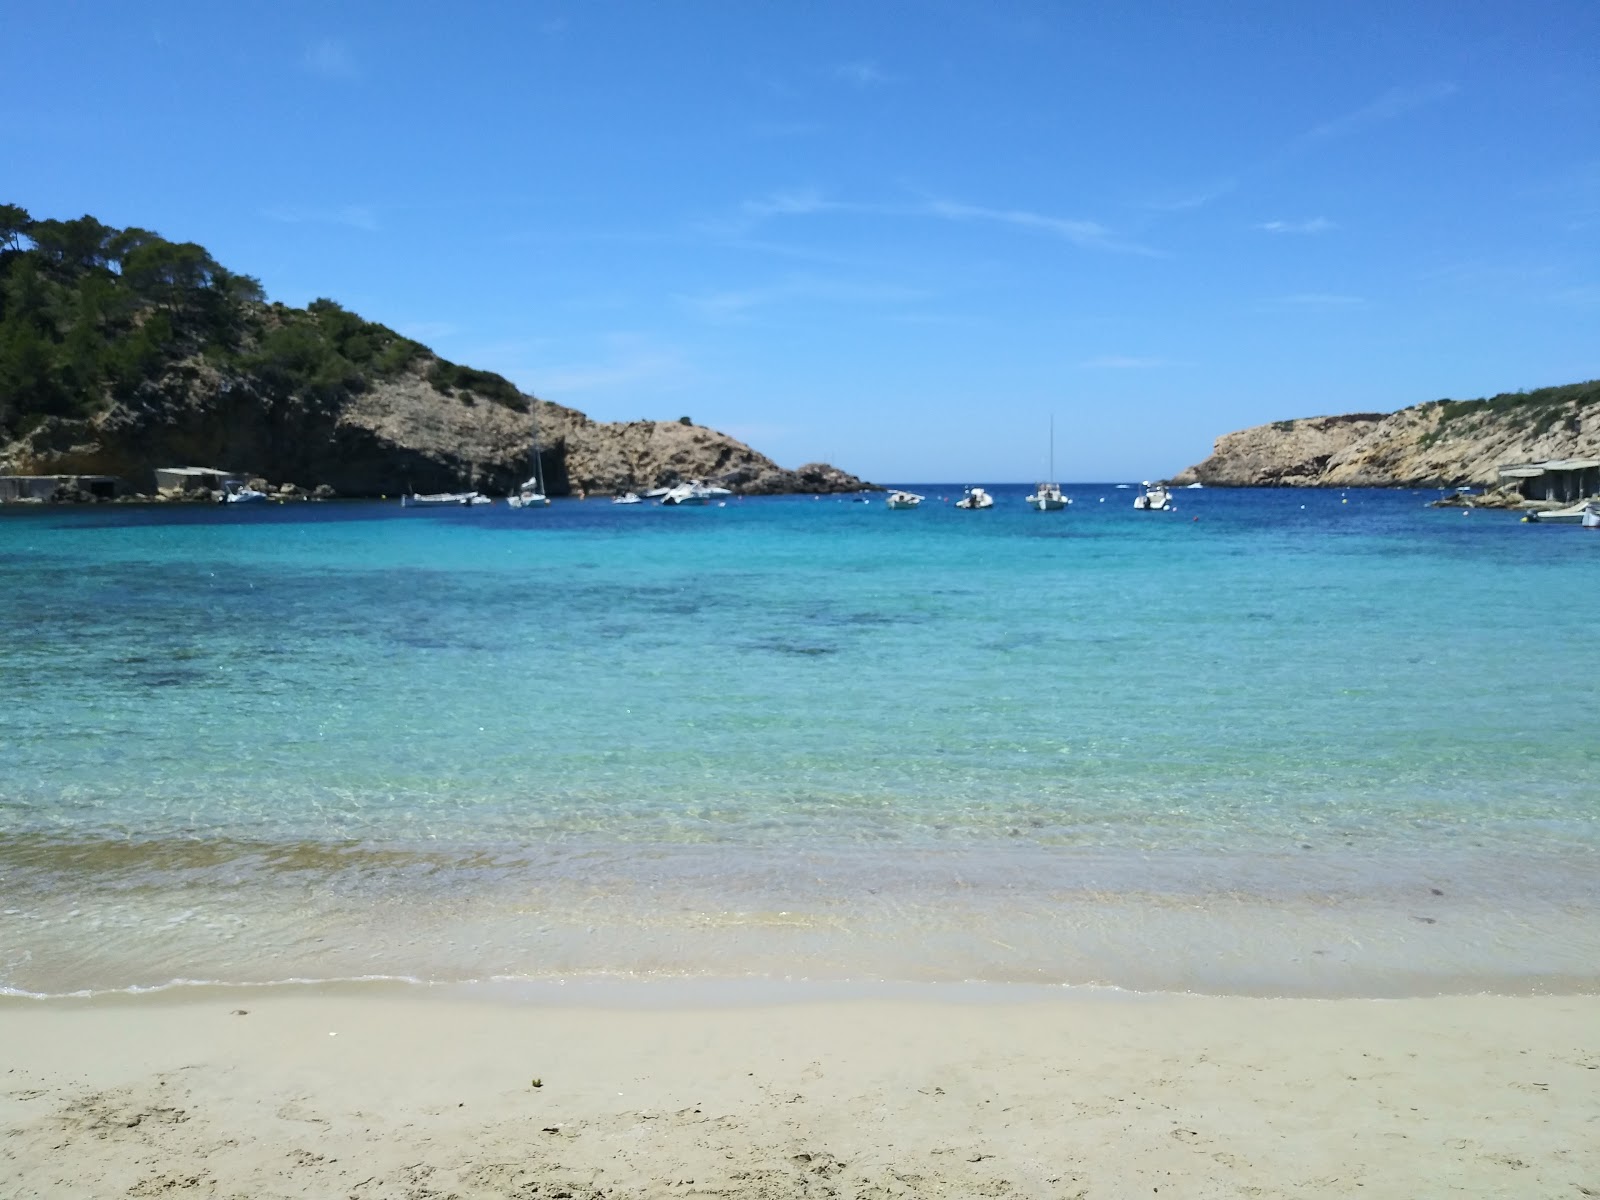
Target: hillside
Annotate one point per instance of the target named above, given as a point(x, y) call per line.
point(121, 352)
point(1438, 444)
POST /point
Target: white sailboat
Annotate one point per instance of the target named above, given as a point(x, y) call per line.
point(1047, 497)
point(532, 494)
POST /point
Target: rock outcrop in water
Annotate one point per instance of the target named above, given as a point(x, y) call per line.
point(1438, 444)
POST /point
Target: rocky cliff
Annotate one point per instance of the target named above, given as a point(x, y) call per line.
point(1438, 444)
point(397, 434)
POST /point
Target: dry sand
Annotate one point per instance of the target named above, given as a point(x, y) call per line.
point(392, 1092)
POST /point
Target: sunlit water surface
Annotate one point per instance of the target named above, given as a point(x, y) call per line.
point(1275, 742)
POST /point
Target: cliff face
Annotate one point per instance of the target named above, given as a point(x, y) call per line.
point(1439, 444)
point(397, 434)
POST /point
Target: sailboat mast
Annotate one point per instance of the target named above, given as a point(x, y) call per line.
point(538, 454)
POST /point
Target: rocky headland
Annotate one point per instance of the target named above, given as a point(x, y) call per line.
point(1443, 443)
point(395, 435)
point(122, 352)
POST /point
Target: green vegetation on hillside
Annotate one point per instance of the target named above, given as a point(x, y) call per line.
point(1537, 411)
point(89, 314)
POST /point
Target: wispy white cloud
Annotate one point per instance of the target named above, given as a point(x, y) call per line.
point(352, 216)
point(1184, 201)
point(621, 362)
point(558, 381)
point(763, 434)
point(1317, 300)
point(1394, 103)
point(803, 202)
point(1088, 234)
point(423, 331)
point(863, 73)
point(1314, 225)
point(811, 202)
point(735, 304)
point(1120, 362)
point(331, 59)
point(776, 130)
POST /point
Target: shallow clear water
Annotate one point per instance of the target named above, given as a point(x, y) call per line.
point(1275, 741)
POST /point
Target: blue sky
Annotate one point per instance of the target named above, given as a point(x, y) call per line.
point(900, 236)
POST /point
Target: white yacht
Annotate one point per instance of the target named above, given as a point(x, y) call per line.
point(443, 499)
point(1154, 498)
point(975, 498)
point(904, 500)
point(691, 494)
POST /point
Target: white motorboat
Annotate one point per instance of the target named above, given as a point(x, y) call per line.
point(904, 500)
point(1154, 498)
point(691, 494)
point(627, 498)
point(1577, 514)
point(240, 493)
point(975, 498)
point(1198, 484)
point(443, 499)
point(532, 494)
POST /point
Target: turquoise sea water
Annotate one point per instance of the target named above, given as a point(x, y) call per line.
point(1281, 742)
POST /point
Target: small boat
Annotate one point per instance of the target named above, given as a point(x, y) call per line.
point(627, 498)
point(443, 499)
point(240, 493)
point(532, 494)
point(1122, 487)
point(656, 493)
point(1154, 498)
point(1195, 484)
point(1577, 514)
point(1591, 517)
point(692, 494)
point(975, 498)
point(904, 500)
point(1047, 497)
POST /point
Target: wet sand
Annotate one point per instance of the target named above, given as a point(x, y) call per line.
point(654, 1091)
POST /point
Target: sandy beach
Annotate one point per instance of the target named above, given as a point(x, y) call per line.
point(655, 1090)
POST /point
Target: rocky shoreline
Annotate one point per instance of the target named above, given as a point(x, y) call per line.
point(395, 436)
point(1441, 444)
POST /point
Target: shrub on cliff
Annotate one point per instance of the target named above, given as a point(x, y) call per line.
point(89, 313)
